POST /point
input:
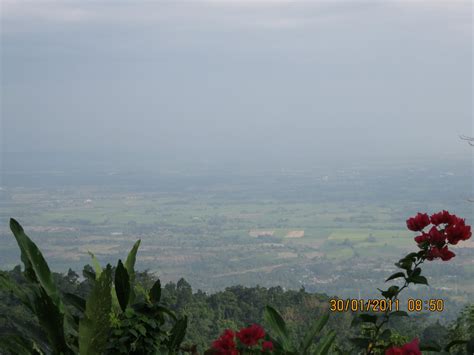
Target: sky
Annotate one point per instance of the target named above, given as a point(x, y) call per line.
point(283, 83)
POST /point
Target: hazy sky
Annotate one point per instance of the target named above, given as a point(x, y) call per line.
point(236, 81)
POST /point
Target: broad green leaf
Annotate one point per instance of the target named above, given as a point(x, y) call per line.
point(277, 325)
point(51, 320)
point(122, 285)
point(416, 272)
point(166, 311)
point(76, 301)
point(132, 255)
point(315, 328)
point(453, 343)
point(96, 265)
point(94, 327)
point(418, 280)
point(390, 293)
point(155, 292)
point(325, 343)
point(177, 333)
point(36, 268)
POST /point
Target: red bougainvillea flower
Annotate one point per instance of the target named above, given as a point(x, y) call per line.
point(412, 348)
point(424, 237)
point(442, 253)
point(267, 346)
point(458, 231)
point(436, 237)
point(225, 345)
point(251, 335)
point(417, 223)
point(442, 217)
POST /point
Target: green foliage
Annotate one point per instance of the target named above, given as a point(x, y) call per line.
point(95, 325)
point(122, 285)
point(90, 326)
point(282, 342)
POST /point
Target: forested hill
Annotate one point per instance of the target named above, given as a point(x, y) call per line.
point(234, 307)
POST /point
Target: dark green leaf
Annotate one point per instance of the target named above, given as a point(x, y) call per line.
point(470, 346)
point(96, 265)
point(453, 343)
point(130, 266)
point(177, 333)
point(325, 343)
point(416, 272)
point(315, 328)
point(418, 280)
point(51, 320)
point(277, 325)
point(75, 301)
point(36, 268)
point(122, 285)
point(395, 276)
point(155, 292)
point(94, 327)
point(405, 264)
point(390, 293)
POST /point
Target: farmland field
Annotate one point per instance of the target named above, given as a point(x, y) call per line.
point(290, 230)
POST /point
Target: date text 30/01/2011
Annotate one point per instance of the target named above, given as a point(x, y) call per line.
point(384, 305)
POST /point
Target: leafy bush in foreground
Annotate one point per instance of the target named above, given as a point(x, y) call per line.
point(116, 317)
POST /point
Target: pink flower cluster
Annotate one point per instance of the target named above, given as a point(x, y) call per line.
point(447, 229)
point(249, 337)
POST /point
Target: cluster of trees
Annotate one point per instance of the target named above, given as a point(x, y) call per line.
point(235, 307)
point(120, 310)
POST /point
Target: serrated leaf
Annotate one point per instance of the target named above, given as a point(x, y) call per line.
point(122, 285)
point(315, 328)
point(95, 326)
point(395, 276)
